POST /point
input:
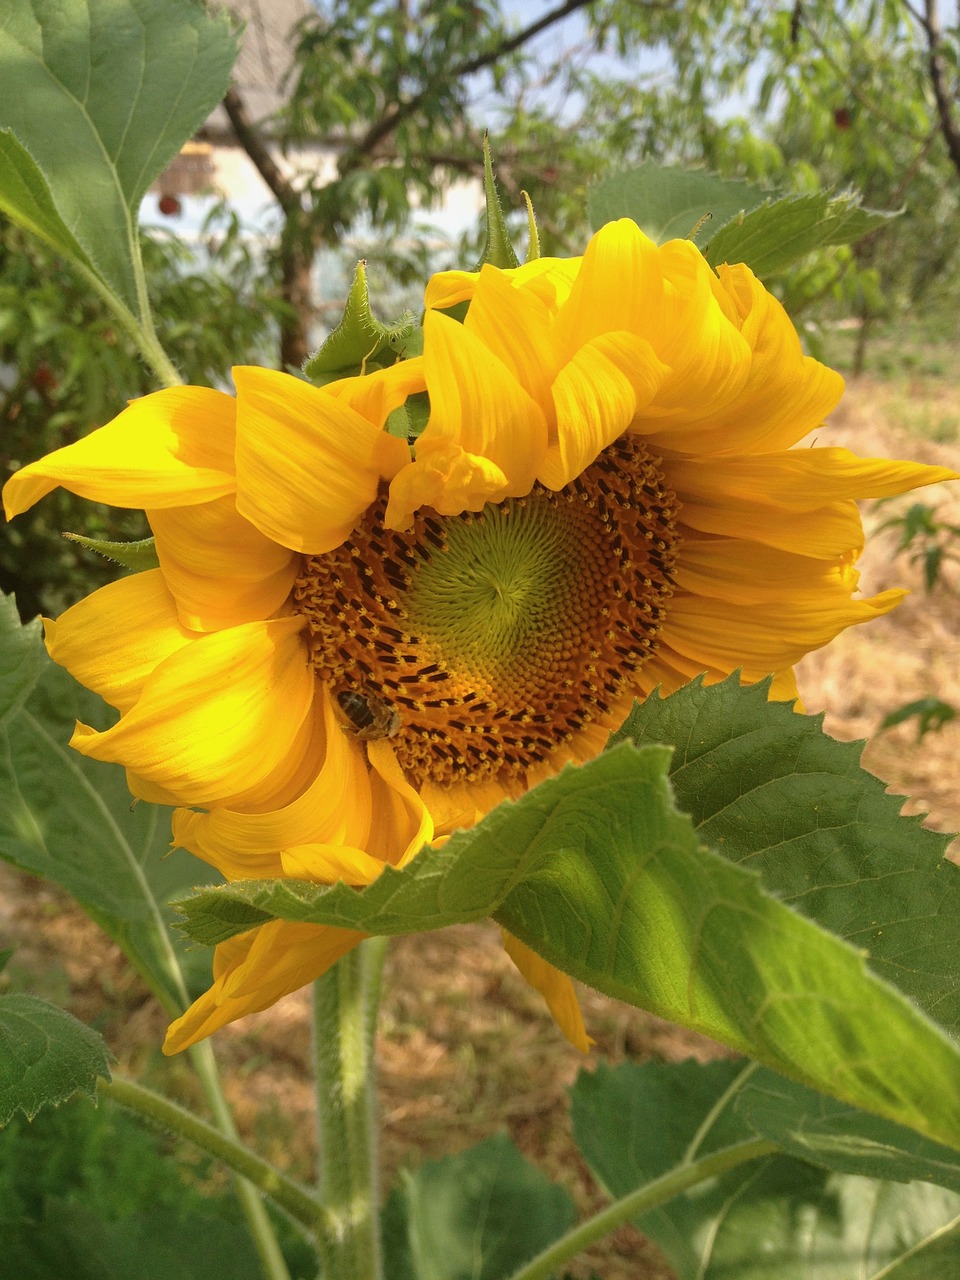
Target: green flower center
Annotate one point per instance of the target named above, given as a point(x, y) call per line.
point(482, 642)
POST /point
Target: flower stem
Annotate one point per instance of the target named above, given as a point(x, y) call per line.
point(289, 1195)
point(645, 1198)
point(344, 1011)
point(258, 1221)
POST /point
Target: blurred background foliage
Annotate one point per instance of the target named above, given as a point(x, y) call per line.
point(857, 94)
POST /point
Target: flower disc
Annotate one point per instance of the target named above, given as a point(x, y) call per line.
point(496, 635)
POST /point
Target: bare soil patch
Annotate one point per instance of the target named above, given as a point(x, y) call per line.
point(466, 1048)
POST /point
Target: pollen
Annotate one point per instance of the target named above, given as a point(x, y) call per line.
point(497, 635)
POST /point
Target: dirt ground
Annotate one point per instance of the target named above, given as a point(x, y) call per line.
point(466, 1049)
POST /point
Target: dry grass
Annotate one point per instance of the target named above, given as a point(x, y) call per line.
point(466, 1048)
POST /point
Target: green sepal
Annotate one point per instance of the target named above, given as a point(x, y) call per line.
point(533, 244)
point(497, 249)
point(137, 556)
point(361, 343)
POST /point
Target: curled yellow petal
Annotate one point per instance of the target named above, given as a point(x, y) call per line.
point(221, 569)
point(308, 464)
point(218, 720)
point(172, 448)
point(114, 640)
point(254, 970)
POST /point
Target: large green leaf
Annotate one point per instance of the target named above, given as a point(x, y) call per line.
point(46, 1056)
point(825, 1132)
point(670, 203)
point(768, 789)
point(600, 874)
point(70, 820)
point(96, 97)
point(776, 1218)
point(21, 657)
point(474, 1216)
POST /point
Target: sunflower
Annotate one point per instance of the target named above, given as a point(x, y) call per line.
point(354, 645)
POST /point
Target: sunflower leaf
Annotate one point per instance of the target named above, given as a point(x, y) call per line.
point(775, 235)
point(818, 1129)
point(70, 820)
point(769, 790)
point(600, 873)
point(46, 1056)
point(21, 657)
point(361, 343)
point(480, 1214)
point(96, 98)
point(731, 221)
point(815, 1223)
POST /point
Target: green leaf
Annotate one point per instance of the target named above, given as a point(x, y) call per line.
point(360, 343)
point(46, 1056)
point(138, 555)
point(21, 657)
point(780, 231)
point(768, 789)
point(671, 204)
point(601, 875)
point(497, 248)
point(777, 1218)
point(818, 1129)
point(69, 819)
point(478, 1215)
point(96, 98)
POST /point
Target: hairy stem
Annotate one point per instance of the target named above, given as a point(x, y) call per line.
point(289, 1195)
point(345, 1000)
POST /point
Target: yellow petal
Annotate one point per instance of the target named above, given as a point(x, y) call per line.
point(334, 809)
point(747, 573)
point(113, 640)
point(375, 395)
point(401, 823)
point(478, 410)
point(828, 534)
point(514, 324)
point(460, 805)
point(169, 449)
point(448, 480)
point(221, 569)
point(761, 639)
point(596, 396)
point(308, 464)
point(254, 970)
point(619, 287)
point(797, 479)
point(219, 720)
point(555, 987)
point(328, 863)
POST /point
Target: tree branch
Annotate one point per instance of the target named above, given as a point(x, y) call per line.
point(399, 111)
point(946, 102)
point(253, 144)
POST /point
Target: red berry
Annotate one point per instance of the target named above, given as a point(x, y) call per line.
point(169, 205)
point(842, 118)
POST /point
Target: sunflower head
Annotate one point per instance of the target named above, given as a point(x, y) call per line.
point(355, 643)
